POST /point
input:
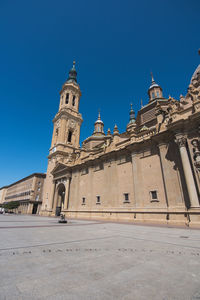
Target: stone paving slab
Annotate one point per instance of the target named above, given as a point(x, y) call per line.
point(42, 259)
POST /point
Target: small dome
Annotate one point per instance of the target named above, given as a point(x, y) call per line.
point(153, 83)
point(72, 74)
point(99, 121)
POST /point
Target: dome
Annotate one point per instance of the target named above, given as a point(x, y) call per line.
point(196, 75)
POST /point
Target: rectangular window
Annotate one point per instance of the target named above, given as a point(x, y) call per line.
point(83, 201)
point(69, 139)
point(98, 200)
point(126, 197)
point(67, 99)
point(154, 195)
point(73, 100)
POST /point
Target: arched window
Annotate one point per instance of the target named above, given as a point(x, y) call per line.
point(69, 139)
point(73, 100)
point(153, 95)
point(67, 98)
point(157, 93)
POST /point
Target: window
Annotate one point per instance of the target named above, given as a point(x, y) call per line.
point(83, 201)
point(153, 95)
point(154, 196)
point(98, 200)
point(73, 100)
point(126, 197)
point(157, 93)
point(69, 139)
point(39, 183)
point(38, 189)
point(67, 98)
point(37, 198)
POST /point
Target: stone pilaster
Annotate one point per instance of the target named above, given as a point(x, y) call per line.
point(136, 184)
point(181, 141)
point(66, 201)
point(52, 196)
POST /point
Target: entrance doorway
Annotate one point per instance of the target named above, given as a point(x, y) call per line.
point(60, 198)
point(35, 206)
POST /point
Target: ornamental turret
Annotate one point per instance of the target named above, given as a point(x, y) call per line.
point(98, 127)
point(132, 124)
point(154, 91)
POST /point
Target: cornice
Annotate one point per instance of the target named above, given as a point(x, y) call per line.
point(69, 113)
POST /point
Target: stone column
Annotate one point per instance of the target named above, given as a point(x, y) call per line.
point(194, 201)
point(135, 176)
point(66, 193)
point(52, 196)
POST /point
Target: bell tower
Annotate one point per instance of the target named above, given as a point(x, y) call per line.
point(65, 141)
point(67, 122)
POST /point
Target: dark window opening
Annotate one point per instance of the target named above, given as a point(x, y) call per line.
point(83, 200)
point(154, 195)
point(69, 137)
point(98, 199)
point(67, 98)
point(73, 100)
point(126, 197)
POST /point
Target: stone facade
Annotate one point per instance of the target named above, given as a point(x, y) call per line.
point(150, 173)
point(28, 191)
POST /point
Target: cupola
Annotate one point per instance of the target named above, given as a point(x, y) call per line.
point(154, 91)
point(72, 74)
point(98, 126)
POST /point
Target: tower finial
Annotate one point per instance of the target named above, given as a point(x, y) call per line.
point(132, 115)
point(152, 79)
point(99, 115)
point(74, 62)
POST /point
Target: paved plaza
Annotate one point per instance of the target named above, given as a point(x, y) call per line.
point(41, 259)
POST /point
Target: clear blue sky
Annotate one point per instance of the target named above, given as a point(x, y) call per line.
point(116, 45)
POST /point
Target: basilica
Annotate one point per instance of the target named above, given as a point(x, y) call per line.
point(149, 173)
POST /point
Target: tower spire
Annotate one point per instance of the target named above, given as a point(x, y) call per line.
point(99, 116)
point(152, 79)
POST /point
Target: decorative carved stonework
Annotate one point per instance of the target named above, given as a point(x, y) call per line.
point(196, 153)
point(181, 141)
